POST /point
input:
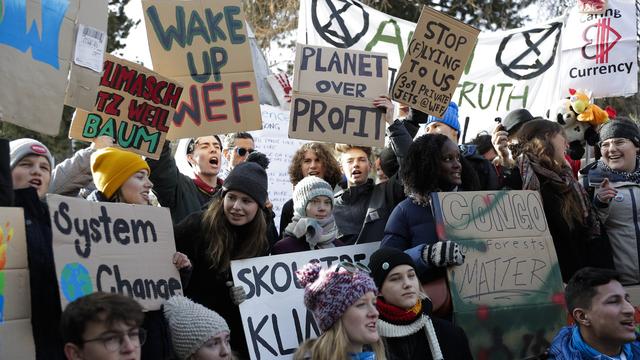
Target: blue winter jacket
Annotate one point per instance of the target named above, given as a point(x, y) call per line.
point(409, 228)
point(563, 348)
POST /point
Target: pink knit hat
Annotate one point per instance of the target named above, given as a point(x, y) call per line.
point(328, 293)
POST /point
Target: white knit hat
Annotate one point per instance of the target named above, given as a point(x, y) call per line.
point(20, 148)
point(191, 325)
point(306, 190)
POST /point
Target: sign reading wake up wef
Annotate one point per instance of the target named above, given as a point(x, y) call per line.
point(204, 46)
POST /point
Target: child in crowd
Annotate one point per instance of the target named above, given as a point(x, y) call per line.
point(123, 177)
point(232, 227)
point(31, 163)
point(197, 333)
point(102, 326)
point(313, 226)
point(405, 324)
point(343, 302)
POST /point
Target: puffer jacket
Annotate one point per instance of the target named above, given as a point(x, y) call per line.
point(562, 348)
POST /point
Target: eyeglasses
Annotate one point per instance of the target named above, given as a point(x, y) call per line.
point(617, 142)
point(243, 151)
point(353, 268)
point(113, 342)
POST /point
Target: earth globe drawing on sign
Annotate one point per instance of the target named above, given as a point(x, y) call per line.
point(75, 281)
point(330, 19)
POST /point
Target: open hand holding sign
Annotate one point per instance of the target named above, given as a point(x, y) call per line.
point(384, 103)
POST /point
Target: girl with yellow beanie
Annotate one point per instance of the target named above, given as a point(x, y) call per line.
point(122, 176)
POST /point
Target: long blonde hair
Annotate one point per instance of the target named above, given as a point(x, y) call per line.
point(333, 345)
point(224, 244)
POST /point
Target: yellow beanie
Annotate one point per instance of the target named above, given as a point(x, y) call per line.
point(112, 167)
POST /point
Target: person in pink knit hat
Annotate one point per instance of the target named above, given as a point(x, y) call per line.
point(343, 302)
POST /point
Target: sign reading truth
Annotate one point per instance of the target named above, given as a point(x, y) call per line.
point(204, 46)
point(113, 247)
point(134, 106)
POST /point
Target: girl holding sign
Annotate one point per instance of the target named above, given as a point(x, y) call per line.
point(122, 176)
point(343, 302)
point(232, 227)
point(313, 226)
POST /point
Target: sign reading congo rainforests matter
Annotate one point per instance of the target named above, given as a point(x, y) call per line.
point(274, 317)
point(435, 59)
point(508, 294)
point(113, 247)
point(204, 45)
point(134, 106)
point(16, 338)
point(333, 93)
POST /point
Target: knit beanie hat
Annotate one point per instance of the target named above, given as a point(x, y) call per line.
point(450, 117)
point(306, 190)
point(191, 325)
point(384, 260)
point(112, 167)
point(620, 127)
point(329, 293)
point(20, 148)
point(249, 178)
point(515, 119)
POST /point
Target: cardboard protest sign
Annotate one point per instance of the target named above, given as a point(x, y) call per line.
point(333, 91)
point(519, 75)
point(509, 289)
point(134, 106)
point(436, 56)
point(88, 51)
point(600, 53)
point(113, 247)
point(204, 46)
point(16, 338)
point(274, 317)
point(36, 45)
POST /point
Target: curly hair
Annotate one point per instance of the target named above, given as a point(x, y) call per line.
point(332, 173)
point(420, 172)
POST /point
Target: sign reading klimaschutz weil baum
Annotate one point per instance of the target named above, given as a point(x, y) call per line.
point(333, 92)
point(134, 106)
point(434, 62)
point(204, 46)
point(274, 317)
point(509, 289)
point(113, 247)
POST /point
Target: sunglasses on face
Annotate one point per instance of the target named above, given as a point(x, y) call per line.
point(352, 268)
point(243, 151)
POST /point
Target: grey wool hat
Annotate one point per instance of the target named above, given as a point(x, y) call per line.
point(306, 190)
point(191, 325)
point(20, 148)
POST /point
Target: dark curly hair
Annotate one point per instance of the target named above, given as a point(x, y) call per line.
point(332, 173)
point(420, 172)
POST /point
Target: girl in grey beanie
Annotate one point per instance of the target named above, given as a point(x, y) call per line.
point(197, 333)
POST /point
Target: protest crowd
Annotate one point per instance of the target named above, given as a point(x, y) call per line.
point(396, 210)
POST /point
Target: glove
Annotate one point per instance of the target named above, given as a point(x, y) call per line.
point(442, 253)
point(237, 293)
